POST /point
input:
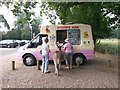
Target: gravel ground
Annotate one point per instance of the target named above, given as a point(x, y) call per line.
point(94, 74)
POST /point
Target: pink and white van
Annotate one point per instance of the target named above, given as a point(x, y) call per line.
point(80, 36)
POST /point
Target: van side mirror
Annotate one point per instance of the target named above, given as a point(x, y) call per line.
point(29, 44)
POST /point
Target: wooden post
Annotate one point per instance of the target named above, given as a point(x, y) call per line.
point(13, 65)
point(106, 48)
point(109, 63)
point(38, 64)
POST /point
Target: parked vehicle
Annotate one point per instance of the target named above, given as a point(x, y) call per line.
point(80, 36)
point(20, 42)
point(8, 43)
point(26, 41)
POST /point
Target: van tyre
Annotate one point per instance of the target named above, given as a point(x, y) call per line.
point(29, 60)
point(79, 57)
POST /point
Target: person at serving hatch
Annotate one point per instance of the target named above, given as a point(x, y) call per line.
point(68, 49)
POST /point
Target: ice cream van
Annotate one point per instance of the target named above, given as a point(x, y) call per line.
point(80, 36)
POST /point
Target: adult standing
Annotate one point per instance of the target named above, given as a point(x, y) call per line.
point(68, 49)
point(45, 55)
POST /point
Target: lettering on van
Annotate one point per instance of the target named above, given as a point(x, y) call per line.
point(86, 35)
point(68, 27)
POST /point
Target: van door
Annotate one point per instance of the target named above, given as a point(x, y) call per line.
point(37, 41)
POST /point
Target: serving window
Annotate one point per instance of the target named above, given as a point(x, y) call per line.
point(72, 34)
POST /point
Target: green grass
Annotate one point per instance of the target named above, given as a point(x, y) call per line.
point(110, 46)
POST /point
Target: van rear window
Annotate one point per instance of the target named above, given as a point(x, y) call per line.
point(72, 34)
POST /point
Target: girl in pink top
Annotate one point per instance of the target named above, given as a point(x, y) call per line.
point(68, 49)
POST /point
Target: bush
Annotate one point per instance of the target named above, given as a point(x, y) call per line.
point(107, 48)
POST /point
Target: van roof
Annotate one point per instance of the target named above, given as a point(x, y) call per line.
point(65, 25)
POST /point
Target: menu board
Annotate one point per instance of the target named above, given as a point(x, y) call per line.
point(74, 36)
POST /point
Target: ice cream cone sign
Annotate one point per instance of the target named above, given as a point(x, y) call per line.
point(47, 29)
point(86, 35)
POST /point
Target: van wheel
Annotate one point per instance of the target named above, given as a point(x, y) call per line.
point(79, 59)
point(29, 60)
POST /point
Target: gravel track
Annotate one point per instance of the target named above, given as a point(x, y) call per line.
point(94, 74)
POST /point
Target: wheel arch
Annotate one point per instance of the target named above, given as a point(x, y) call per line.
point(81, 54)
point(29, 54)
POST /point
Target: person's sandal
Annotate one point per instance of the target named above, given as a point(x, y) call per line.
point(67, 68)
point(47, 72)
point(71, 67)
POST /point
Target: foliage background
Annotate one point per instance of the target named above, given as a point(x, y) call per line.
point(102, 16)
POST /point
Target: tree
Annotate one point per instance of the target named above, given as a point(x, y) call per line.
point(26, 33)
point(13, 34)
point(1, 35)
point(35, 24)
point(48, 11)
point(116, 33)
point(25, 18)
point(97, 14)
point(2, 19)
point(92, 13)
point(113, 10)
point(24, 13)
